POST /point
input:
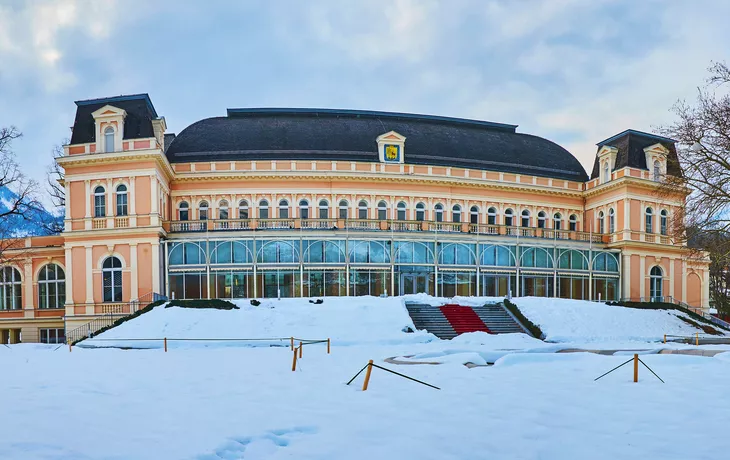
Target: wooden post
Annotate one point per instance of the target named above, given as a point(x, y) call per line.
point(697, 339)
point(165, 341)
point(328, 346)
point(69, 346)
point(301, 347)
point(367, 376)
point(291, 343)
point(665, 338)
point(636, 368)
point(294, 362)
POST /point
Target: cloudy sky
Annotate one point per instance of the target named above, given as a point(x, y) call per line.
point(573, 71)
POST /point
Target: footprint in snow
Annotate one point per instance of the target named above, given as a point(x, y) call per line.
point(238, 448)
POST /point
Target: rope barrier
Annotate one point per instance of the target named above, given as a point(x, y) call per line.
point(636, 361)
point(370, 365)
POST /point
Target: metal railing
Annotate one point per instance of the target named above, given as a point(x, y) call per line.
point(111, 313)
point(398, 225)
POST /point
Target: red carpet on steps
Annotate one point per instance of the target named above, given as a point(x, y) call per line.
point(463, 319)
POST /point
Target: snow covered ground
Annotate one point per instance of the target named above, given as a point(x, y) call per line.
point(244, 402)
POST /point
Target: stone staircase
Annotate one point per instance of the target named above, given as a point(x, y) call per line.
point(431, 319)
point(495, 318)
point(499, 320)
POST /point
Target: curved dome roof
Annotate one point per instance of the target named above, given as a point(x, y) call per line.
point(350, 135)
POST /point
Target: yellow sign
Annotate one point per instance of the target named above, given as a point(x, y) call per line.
point(391, 152)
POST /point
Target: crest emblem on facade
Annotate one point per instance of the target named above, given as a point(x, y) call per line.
point(392, 153)
point(391, 147)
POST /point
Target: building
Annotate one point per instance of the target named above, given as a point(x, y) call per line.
point(319, 202)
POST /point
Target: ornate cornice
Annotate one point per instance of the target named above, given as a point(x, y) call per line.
point(359, 176)
point(88, 159)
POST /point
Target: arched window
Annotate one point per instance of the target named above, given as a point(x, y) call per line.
point(362, 209)
point(648, 218)
point(456, 213)
point(657, 171)
point(203, 210)
point(663, 218)
point(108, 139)
point(474, 215)
point(655, 284)
point(382, 210)
point(263, 209)
point(491, 216)
point(304, 209)
point(601, 228)
point(99, 201)
point(557, 221)
point(51, 287)
point(243, 209)
point(111, 275)
point(525, 218)
point(420, 212)
point(439, 212)
point(401, 211)
point(508, 217)
point(324, 209)
point(541, 218)
point(184, 210)
point(606, 172)
point(122, 200)
point(343, 209)
point(11, 297)
point(573, 222)
point(611, 220)
point(223, 209)
point(283, 209)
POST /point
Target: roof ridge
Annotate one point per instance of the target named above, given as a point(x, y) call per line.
point(356, 113)
point(121, 98)
point(629, 132)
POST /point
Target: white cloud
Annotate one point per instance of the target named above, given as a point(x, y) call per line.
point(31, 37)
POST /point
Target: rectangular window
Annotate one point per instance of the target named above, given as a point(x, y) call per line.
point(99, 206)
point(122, 204)
point(52, 335)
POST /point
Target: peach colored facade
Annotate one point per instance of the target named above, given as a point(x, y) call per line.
point(129, 204)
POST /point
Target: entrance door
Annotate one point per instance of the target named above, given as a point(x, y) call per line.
point(412, 283)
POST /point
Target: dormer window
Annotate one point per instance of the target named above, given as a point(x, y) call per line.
point(606, 172)
point(657, 171)
point(109, 140)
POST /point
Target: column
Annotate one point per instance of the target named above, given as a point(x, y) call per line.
point(706, 289)
point(132, 203)
point(684, 281)
point(642, 276)
point(155, 207)
point(87, 209)
point(28, 288)
point(134, 283)
point(110, 211)
point(69, 278)
point(89, 281)
point(155, 267)
point(671, 277)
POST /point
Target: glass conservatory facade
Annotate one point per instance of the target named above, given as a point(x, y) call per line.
point(303, 267)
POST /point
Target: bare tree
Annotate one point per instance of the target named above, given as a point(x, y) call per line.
point(18, 199)
point(56, 190)
point(702, 131)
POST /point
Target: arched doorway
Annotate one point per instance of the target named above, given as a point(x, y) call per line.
point(656, 291)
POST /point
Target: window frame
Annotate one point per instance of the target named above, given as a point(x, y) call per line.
point(122, 200)
point(99, 201)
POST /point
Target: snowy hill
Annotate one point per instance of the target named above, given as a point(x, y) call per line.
point(35, 221)
point(381, 321)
